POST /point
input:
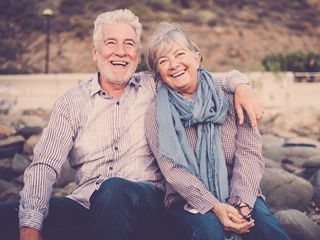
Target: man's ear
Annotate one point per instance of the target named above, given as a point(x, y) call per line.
point(94, 53)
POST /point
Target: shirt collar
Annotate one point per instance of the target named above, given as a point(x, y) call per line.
point(135, 81)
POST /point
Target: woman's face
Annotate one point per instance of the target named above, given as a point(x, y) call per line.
point(178, 69)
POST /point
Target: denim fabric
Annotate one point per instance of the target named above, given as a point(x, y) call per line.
point(120, 209)
point(184, 225)
point(267, 227)
point(125, 210)
point(67, 220)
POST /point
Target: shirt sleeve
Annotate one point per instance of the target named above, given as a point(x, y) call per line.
point(233, 78)
point(49, 154)
point(183, 182)
point(248, 163)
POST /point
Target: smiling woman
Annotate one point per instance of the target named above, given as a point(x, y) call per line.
point(205, 155)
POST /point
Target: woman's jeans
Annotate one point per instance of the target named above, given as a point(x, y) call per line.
point(184, 225)
point(120, 209)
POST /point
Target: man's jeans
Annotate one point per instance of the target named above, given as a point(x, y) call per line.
point(120, 209)
point(185, 225)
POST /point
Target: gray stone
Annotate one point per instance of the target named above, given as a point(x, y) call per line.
point(298, 225)
point(30, 143)
point(284, 190)
point(297, 154)
point(269, 163)
point(303, 140)
point(270, 141)
point(19, 163)
point(66, 176)
point(315, 181)
point(12, 194)
point(313, 161)
point(10, 146)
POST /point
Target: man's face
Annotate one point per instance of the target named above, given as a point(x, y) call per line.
point(117, 54)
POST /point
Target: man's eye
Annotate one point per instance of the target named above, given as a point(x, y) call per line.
point(130, 43)
point(181, 53)
point(109, 42)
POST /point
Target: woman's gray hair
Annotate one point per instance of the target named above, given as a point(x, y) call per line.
point(121, 15)
point(162, 41)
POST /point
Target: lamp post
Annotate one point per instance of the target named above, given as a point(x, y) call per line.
point(47, 13)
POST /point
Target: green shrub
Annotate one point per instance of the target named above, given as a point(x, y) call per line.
point(294, 62)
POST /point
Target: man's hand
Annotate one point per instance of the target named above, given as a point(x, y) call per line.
point(231, 219)
point(27, 233)
point(246, 98)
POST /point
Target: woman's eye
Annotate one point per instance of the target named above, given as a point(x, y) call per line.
point(162, 61)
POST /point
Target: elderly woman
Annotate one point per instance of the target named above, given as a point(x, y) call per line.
point(213, 165)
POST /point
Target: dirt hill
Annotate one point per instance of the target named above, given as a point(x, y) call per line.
point(230, 35)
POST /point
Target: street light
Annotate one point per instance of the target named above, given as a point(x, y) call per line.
point(47, 13)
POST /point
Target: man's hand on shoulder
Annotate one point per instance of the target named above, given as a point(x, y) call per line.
point(246, 98)
point(27, 233)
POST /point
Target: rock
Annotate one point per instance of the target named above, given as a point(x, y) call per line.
point(270, 141)
point(315, 181)
point(30, 121)
point(10, 146)
point(66, 176)
point(312, 162)
point(5, 131)
point(271, 164)
point(19, 163)
point(12, 194)
point(6, 173)
point(5, 162)
point(27, 131)
point(297, 154)
point(285, 191)
point(30, 143)
point(303, 140)
point(298, 225)
point(62, 192)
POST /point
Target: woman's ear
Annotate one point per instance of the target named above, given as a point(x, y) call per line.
point(198, 59)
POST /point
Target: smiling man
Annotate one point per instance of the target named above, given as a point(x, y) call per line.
point(98, 126)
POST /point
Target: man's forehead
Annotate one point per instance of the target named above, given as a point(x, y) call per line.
point(119, 27)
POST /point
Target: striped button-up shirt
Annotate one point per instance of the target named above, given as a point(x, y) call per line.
point(101, 136)
point(243, 154)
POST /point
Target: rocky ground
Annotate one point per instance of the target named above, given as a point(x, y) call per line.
point(291, 182)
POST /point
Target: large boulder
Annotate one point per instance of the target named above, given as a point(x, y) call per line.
point(284, 190)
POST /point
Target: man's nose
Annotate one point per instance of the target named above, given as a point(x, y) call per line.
point(120, 50)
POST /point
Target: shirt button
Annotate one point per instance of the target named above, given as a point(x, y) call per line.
point(111, 168)
point(118, 103)
point(116, 148)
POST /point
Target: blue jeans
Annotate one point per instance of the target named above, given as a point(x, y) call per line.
point(183, 225)
point(120, 209)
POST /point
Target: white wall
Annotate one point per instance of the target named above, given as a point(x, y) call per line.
point(278, 91)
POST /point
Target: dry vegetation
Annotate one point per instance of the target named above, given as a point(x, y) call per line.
point(231, 34)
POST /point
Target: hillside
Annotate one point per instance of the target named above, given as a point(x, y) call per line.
point(230, 35)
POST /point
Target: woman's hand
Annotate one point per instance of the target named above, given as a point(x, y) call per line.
point(231, 219)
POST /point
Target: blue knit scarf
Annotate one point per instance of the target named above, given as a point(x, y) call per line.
point(207, 110)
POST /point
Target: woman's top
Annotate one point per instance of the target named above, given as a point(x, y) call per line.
point(242, 149)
